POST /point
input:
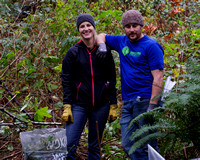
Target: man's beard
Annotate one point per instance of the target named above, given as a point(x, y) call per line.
point(136, 35)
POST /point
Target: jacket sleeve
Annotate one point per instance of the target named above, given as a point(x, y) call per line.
point(111, 72)
point(67, 77)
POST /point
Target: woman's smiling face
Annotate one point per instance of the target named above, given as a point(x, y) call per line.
point(86, 30)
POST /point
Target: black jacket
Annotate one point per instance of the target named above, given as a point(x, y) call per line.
point(88, 81)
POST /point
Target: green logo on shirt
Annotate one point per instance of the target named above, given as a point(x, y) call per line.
point(135, 54)
point(125, 50)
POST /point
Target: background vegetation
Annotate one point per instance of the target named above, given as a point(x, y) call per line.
point(34, 37)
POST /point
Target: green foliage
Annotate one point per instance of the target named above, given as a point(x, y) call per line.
point(9, 9)
point(32, 49)
point(41, 113)
point(179, 123)
point(5, 130)
point(111, 145)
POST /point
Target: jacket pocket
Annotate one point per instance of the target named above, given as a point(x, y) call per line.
point(103, 93)
point(77, 90)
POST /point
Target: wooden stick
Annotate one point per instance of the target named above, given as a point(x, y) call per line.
point(98, 139)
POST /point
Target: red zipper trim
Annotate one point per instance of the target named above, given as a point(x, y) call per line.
point(78, 90)
point(80, 41)
point(106, 85)
point(92, 74)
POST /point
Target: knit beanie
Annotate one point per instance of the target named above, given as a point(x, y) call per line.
point(84, 17)
point(132, 16)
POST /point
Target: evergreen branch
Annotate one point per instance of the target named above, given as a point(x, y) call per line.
point(143, 115)
point(139, 117)
point(146, 129)
point(144, 140)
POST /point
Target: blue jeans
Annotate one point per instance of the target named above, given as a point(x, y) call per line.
point(74, 130)
point(131, 109)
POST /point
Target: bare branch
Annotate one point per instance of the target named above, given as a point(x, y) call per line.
point(10, 93)
point(35, 123)
point(12, 155)
point(9, 101)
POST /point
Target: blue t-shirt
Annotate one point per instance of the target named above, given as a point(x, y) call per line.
point(137, 60)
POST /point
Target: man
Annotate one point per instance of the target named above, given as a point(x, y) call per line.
point(141, 64)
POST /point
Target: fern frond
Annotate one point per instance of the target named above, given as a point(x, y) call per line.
point(145, 114)
point(136, 119)
point(146, 129)
point(145, 140)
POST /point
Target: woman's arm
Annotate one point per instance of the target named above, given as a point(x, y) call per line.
point(66, 77)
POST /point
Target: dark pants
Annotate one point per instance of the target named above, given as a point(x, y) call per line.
point(74, 130)
point(131, 109)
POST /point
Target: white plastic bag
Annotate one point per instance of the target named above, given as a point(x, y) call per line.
point(168, 87)
point(153, 154)
point(44, 144)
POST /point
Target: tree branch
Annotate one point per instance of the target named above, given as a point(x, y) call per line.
point(35, 123)
point(22, 121)
point(10, 93)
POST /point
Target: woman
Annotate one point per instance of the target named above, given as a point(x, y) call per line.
point(89, 90)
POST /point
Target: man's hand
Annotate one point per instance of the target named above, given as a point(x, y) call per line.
point(102, 51)
point(112, 113)
point(67, 113)
point(151, 107)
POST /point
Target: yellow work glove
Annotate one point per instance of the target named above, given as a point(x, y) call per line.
point(67, 113)
point(112, 113)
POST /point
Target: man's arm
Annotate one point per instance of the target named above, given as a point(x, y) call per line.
point(102, 50)
point(157, 85)
point(101, 38)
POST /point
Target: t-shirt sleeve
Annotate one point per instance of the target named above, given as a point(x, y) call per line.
point(155, 56)
point(113, 41)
